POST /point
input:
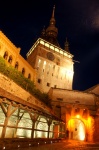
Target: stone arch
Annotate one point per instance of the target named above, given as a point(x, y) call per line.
point(76, 128)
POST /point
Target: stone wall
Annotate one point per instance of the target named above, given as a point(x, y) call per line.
point(11, 87)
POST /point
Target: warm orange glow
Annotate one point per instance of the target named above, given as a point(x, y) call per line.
point(76, 128)
point(81, 132)
point(78, 116)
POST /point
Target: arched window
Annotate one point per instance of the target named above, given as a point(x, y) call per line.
point(29, 76)
point(16, 65)
point(23, 71)
point(5, 55)
point(10, 59)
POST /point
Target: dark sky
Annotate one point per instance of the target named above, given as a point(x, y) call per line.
point(78, 20)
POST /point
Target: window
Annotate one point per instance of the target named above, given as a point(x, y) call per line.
point(23, 71)
point(55, 86)
point(16, 65)
point(10, 59)
point(29, 76)
point(44, 64)
point(60, 99)
point(48, 84)
point(53, 66)
point(38, 65)
point(5, 55)
point(39, 80)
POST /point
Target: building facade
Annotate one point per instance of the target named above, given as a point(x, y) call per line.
point(51, 68)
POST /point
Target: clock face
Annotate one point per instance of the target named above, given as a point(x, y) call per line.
point(50, 56)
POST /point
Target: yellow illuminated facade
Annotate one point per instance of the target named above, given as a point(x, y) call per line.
point(54, 66)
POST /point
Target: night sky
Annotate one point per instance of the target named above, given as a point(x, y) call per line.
point(78, 20)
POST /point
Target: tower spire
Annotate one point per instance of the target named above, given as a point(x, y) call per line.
point(67, 45)
point(51, 32)
point(53, 11)
point(52, 20)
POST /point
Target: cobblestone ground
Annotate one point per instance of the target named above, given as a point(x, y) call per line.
point(66, 145)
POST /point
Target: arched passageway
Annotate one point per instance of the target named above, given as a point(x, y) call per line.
point(76, 129)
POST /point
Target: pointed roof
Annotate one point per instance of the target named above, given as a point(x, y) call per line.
point(67, 46)
point(51, 32)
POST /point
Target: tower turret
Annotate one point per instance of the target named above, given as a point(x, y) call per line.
point(51, 32)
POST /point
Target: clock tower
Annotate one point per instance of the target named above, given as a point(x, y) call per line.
point(53, 65)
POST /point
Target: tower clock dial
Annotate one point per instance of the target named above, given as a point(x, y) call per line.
point(50, 56)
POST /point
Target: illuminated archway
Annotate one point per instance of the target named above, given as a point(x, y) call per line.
point(76, 129)
point(42, 128)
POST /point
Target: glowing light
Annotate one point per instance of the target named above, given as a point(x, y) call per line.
point(42, 126)
point(56, 49)
point(77, 127)
point(42, 42)
point(81, 132)
point(78, 116)
point(52, 47)
point(61, 52)
point(46, 44)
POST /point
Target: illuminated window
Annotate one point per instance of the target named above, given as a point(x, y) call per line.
point(44, 64)
point(39, 61)
point(43, 126)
